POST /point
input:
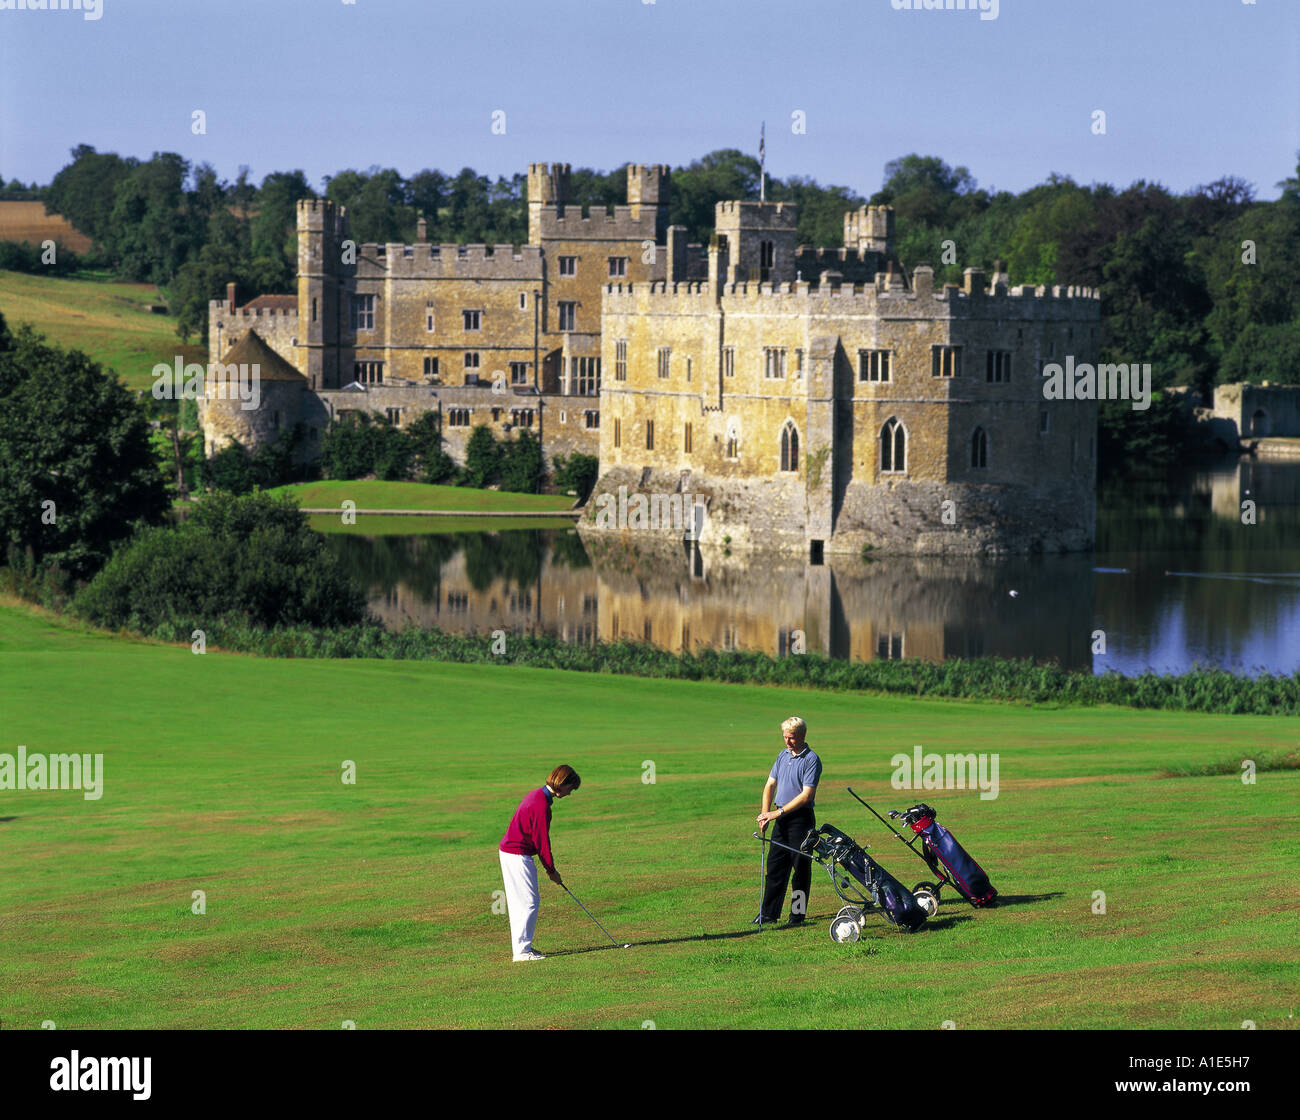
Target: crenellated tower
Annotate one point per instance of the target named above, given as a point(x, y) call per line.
point(548, 185)
point(322, 229)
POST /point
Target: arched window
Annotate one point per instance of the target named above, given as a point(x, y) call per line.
point(979, 449)
point(733, 442)
point(789, 447)
point(893, 446)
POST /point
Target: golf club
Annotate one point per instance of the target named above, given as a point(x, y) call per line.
point(592, 916)
point(762, 881)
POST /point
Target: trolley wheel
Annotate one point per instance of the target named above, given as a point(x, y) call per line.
point(927, 899)
point(846, 925)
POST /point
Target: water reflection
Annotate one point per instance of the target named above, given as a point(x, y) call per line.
point(1180, 576)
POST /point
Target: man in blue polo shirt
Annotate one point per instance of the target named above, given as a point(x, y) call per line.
point(793, 779)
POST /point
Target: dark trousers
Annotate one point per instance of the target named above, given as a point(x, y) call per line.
point(788, 829)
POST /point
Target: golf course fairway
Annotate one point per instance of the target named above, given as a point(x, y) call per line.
point(1128, 900)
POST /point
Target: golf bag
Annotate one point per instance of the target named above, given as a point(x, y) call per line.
point(947, 858)
point(834, 850)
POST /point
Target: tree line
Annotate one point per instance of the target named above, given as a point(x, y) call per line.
point(1204, 285)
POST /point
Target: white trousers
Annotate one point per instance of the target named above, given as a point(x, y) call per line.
point(522, 900)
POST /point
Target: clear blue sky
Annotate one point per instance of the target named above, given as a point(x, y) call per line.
point(1192, 89)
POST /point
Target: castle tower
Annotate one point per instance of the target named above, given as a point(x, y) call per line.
point(870, 229)
point(322, 228)
point(647, 185)
point(756, 240)
point(548, 184)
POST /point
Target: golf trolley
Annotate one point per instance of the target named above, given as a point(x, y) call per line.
point(860, 882)
point(947, 860)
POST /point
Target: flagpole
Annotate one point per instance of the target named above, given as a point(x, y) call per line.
point(762, 162)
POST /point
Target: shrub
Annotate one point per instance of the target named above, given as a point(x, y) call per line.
point(250, 558)
point(577, 472)
point(482, 458)
point(521, 464)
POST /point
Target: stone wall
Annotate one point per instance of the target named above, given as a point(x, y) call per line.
point(559, 422)
point(728, 408)
point(277, 326)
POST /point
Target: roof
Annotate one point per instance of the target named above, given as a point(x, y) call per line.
point(251, 350)
point(277, 303)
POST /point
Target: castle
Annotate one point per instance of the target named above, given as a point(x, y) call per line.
point(810, 400)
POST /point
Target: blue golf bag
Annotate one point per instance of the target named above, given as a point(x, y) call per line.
point(836, 851)
point(948, 859)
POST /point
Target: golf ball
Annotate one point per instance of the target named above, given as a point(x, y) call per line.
point(627, 946)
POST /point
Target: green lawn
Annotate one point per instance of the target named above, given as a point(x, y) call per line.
point(109, 321)
point(373, 902)
point(373, 494)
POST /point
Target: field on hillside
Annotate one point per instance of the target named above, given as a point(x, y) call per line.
point(28, 221)
point(373, 902)
point(110, 322)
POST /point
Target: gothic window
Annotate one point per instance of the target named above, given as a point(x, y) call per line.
point(979, 449)
point(789, 447)
point(893, 447)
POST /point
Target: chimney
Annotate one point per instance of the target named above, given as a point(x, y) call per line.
point(922, 279)
point(421, 231)
point(973, 281)
point(230, 297)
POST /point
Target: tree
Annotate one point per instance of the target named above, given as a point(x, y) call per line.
point(429, 463)
point(250, 557)
point(84, 191)
point(274, 226)
point(482, 458)
point(576, 472)
point(150, 232)
point(521, 464)
point(77, 470)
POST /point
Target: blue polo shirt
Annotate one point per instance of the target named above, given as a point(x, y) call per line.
point(793, 772)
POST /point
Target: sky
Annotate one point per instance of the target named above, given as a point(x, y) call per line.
point(1192, 90)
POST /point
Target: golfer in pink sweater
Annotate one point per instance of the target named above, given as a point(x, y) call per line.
point(529, 835)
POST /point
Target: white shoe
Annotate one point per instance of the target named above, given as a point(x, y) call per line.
point(531, 955)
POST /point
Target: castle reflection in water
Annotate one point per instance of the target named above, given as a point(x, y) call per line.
point(1178, 578)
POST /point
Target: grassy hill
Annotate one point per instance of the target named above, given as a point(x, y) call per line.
point(110, 321)
point(374, 901)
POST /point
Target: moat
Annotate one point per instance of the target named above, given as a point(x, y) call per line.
point(1178, 578)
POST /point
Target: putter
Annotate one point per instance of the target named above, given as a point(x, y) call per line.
point(592, 916)
point(762, 879)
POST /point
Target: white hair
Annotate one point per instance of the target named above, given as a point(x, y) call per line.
point(795, 724)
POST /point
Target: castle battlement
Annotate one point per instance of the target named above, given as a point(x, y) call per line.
point(619, 223)
point(321, 214)
point(743, 206)
point(1024, 301)
point(252, 313)
point(449, 261)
